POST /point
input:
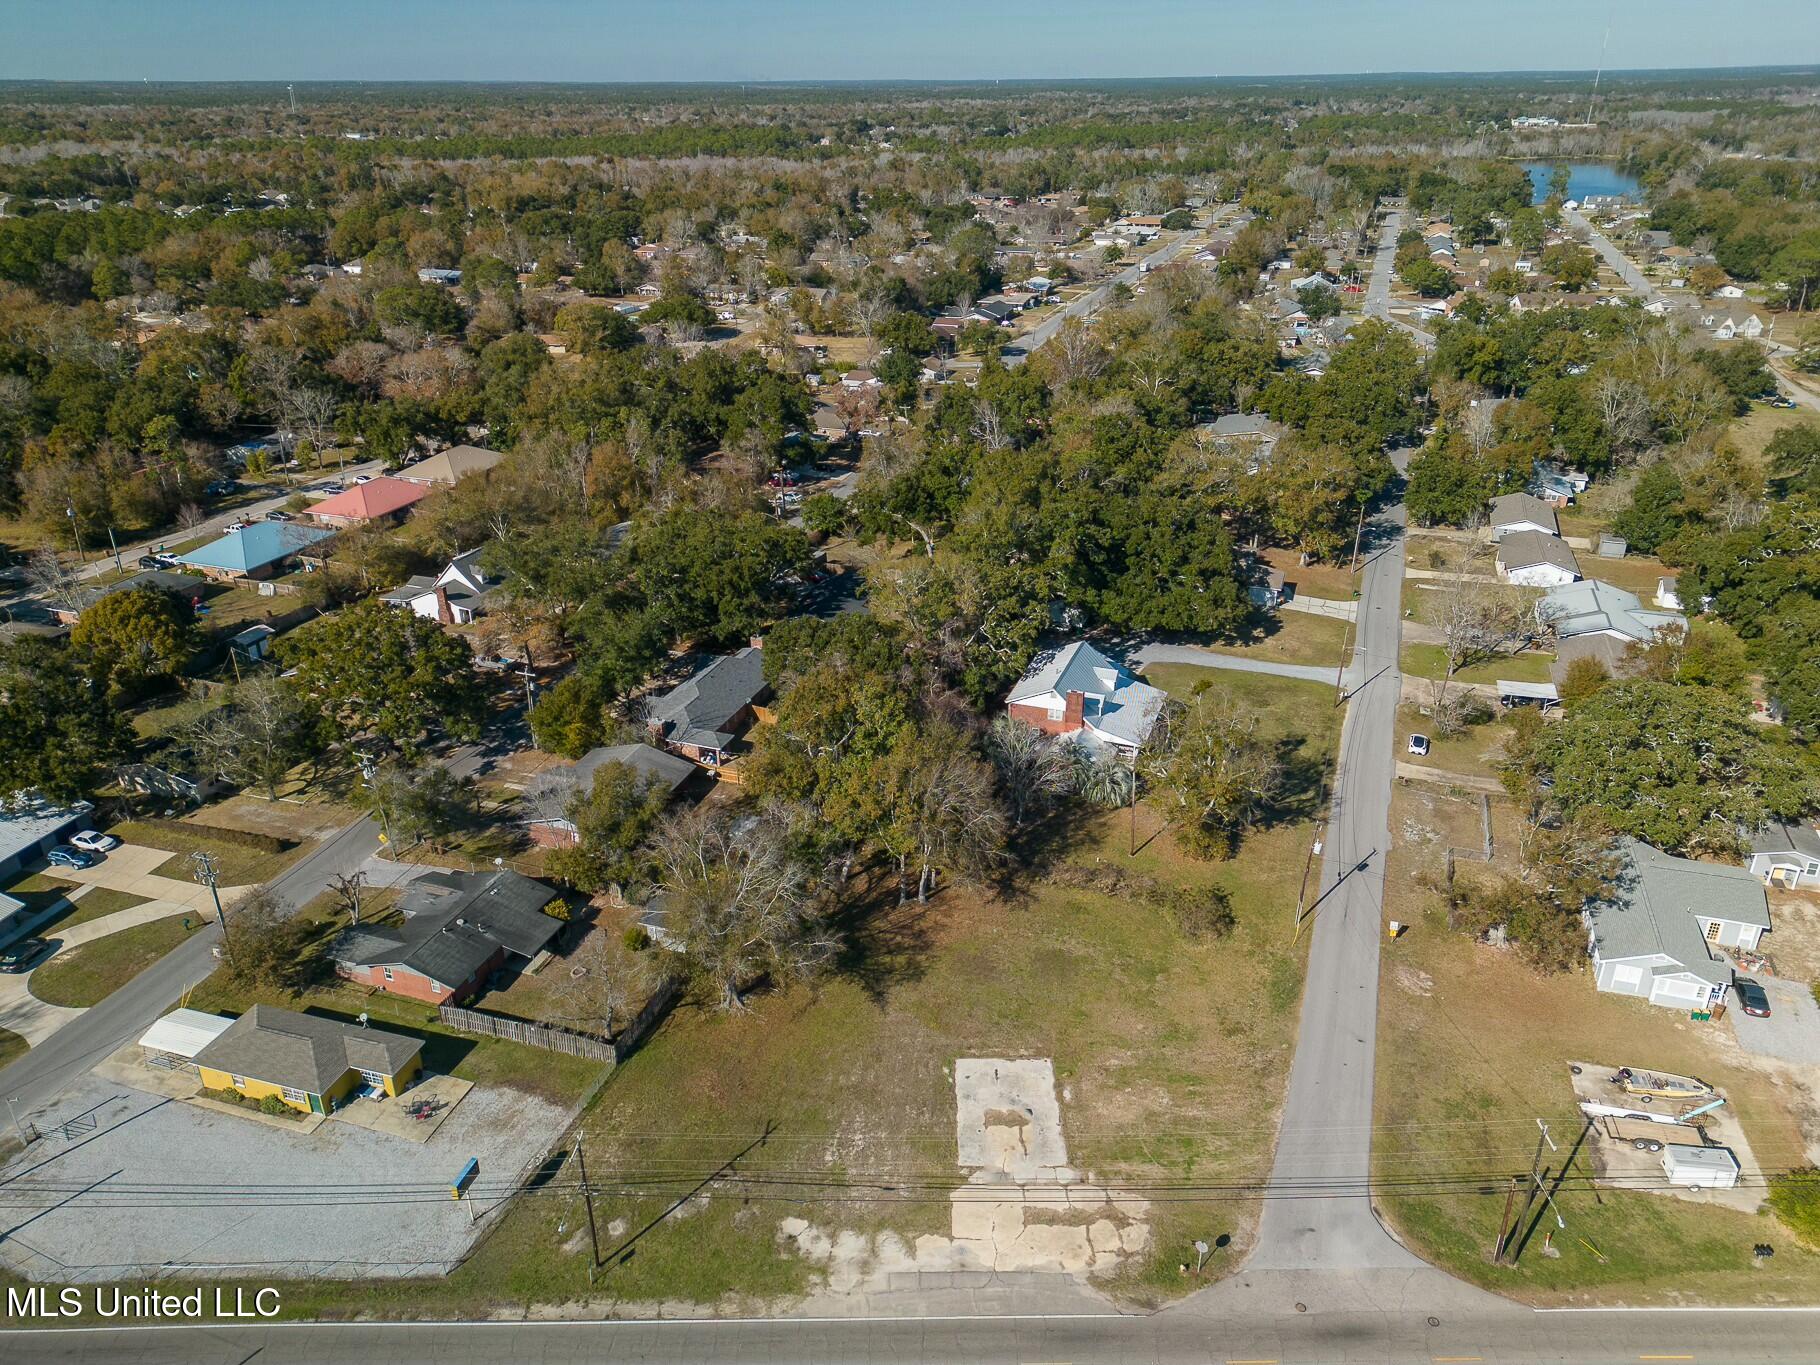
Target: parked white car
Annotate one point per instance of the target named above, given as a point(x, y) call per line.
point(94, 841)
point(1418, 745)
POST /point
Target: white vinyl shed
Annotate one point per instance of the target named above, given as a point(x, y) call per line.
point(176, 1038)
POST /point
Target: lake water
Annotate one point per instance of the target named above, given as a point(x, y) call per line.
point(1584, 178)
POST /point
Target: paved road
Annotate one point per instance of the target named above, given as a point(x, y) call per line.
point(1260, 1335)
point(1626, 269)
point(1377, 288)
point(34, 1080)
point(1325, 1135)
point(1090, 303)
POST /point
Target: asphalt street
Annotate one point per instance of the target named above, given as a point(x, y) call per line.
point(1273, 1334)
point(1088, 304)
point(1616, 259)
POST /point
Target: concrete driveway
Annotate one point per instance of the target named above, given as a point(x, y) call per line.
point(133, 868)
point(1792, 1031)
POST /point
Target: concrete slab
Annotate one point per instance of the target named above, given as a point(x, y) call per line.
point(392, 1116)
point(1007, 1119)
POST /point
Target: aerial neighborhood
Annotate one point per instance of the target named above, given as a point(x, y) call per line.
point(681, 701)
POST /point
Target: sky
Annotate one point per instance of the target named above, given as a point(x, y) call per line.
point(759, 40)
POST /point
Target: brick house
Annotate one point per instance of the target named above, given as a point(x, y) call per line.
point(1078, 691)
point(701, 718)
point(459, 928)
point(549, 794)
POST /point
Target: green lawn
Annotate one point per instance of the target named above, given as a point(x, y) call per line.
point(1473, 1046)
point(88, 974)
point(168, 716)
point(1294, 637)
point(40, 891)
point(238, 865)
point(12, 1047)
point(1430, 661)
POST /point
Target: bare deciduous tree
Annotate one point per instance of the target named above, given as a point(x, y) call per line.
point(1033, 768)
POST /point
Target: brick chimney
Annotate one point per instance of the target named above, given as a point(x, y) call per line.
point(444, 612)
point(1074, 709)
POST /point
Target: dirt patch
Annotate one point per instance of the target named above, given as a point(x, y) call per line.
point(1413, 980)
point(1794, 941)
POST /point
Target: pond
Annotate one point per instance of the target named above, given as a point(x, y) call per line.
point(1584, 178)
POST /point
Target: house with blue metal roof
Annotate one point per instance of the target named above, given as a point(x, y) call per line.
point(263, 549)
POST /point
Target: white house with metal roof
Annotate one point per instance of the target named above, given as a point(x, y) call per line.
point(1654, 933)
point(1594, 608)
point(1078, 691)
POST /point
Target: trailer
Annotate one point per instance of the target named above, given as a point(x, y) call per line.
point(1700, 1168)
point(1646, 1135)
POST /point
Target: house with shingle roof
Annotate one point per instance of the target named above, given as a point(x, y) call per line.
point(459, 928)
point(310, 1063)
point(1786, 853)
point(1522, 512)
point(548, 795)
point(1534, 559)
point(452, 465)
point(701, 718)
point(1653, 932)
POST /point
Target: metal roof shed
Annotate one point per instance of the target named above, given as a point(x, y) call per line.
point(1712, 1168)
point(183, 1033)
point(1512, 694)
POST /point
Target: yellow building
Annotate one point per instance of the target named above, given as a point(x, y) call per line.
point(308, 1062)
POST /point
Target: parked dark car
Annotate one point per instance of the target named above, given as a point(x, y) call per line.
point(26, 953)
point(1752, 998)
point(65, 856)
point(220, 488)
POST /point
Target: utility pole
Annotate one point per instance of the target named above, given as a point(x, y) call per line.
point(207, 871)
point(587, 1194)
point(1531, 1190)
point(1339, 670)
point(114, 545)
point(1132, 851)
point(1357, 532)
point(369, 769)
point(75, 531)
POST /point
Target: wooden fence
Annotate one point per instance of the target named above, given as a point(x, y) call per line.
point(562, 1040)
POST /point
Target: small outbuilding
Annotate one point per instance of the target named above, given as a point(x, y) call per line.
point(175, 1039)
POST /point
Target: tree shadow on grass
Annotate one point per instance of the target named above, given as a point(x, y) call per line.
point(883, 944)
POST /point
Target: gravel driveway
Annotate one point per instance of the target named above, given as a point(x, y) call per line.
point(160, 1187)
point(1792, 1031)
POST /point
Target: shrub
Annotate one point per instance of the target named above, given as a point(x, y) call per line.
point(1794, 1197)
point(1201, 913)
point(226, 1096)
point(274, 1106)
point(263, 843)
point(636, 939)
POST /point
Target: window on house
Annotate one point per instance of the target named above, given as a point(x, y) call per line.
point(1712, 931)
point(436, 988)
point(238, 1082)
point(388, 972)
point(1626, 976)
point(372, 1077)
point(294, 1096)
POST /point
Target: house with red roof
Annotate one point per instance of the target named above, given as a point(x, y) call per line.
point(377, 500)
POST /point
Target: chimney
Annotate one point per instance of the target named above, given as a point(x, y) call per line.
point(1074, 708)
point(444, 612)
point(757, 641)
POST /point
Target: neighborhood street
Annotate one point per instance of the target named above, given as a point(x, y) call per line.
point(1088, 304)
point(1377, 289)
point(1616, 259)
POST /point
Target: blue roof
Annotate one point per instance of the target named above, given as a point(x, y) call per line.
point(262, 543)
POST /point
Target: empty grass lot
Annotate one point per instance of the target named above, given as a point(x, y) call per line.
point(1430, 661)
point(1294, 637)
point(1473, 1047)
point(90, 972)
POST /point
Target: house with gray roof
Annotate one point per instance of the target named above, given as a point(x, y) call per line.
point(459, 928)
point(1786, 854)
point(1078, 692)
point(701, 718)
point(309, 1062)
point(1654, 932)
point(548, 795)
point(1522, 512)
point(1533, 559)
point(1575, 610)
